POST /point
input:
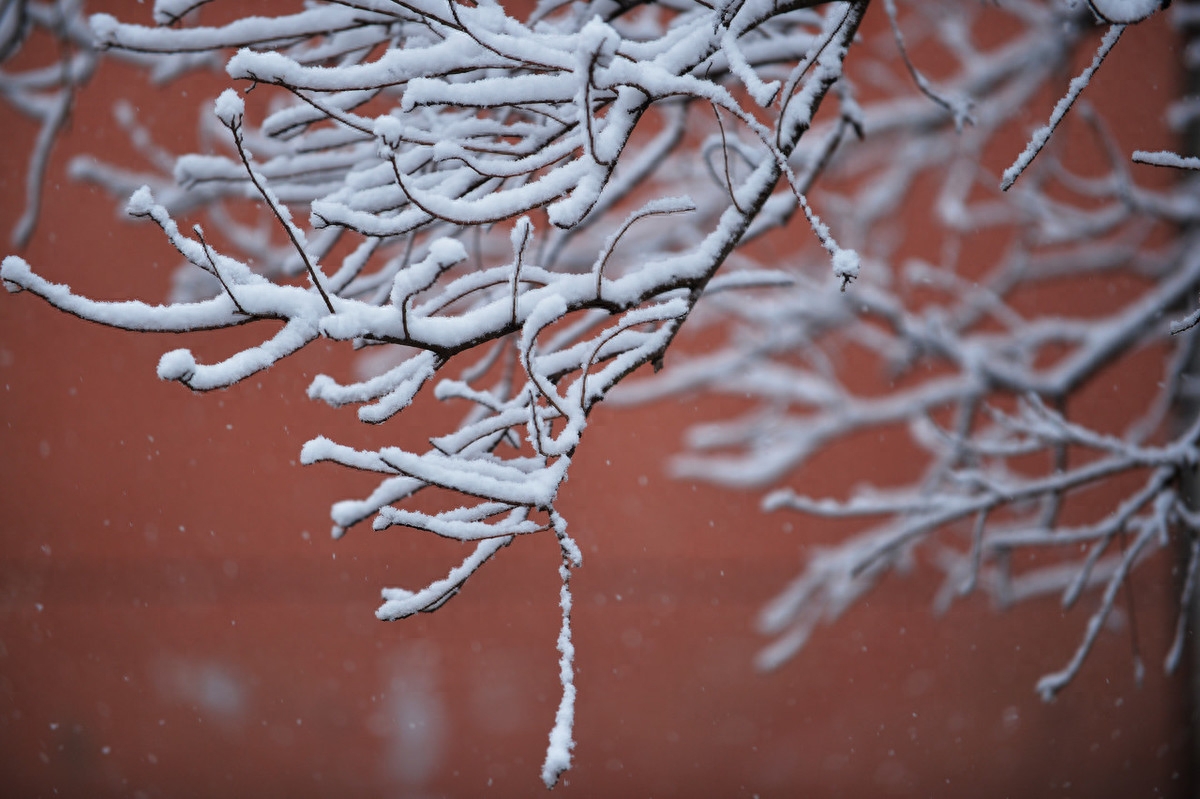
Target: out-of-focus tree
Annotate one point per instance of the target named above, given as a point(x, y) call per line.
point(523, 212)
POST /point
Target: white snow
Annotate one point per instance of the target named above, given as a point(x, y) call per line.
point(176, 365)
point(230, 108)
point(1042, 135)
point(1125, 12)
point(433, 159)
point(846, 264)
point(1165, 158)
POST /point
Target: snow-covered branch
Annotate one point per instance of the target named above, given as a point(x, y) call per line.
point(984, 383)
point(524, 190)
point(553, 197)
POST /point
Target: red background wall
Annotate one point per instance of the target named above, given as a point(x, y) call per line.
point(175, 620)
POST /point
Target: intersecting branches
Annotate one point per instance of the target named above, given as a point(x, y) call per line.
point(956, 341)
point(506, 182)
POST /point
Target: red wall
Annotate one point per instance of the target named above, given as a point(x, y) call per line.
point(175, 620)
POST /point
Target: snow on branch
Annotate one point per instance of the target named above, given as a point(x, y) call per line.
point(1166, 159)
point(1042, 135)
point(44, 94)
point(487, 169)
point(555, 196)
point(981, 385)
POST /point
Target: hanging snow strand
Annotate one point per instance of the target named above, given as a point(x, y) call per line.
point(558, 752)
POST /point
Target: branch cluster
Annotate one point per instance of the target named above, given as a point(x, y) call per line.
point(474, 183)
point(985, 384)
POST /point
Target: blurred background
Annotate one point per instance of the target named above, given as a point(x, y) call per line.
point(175, 620)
